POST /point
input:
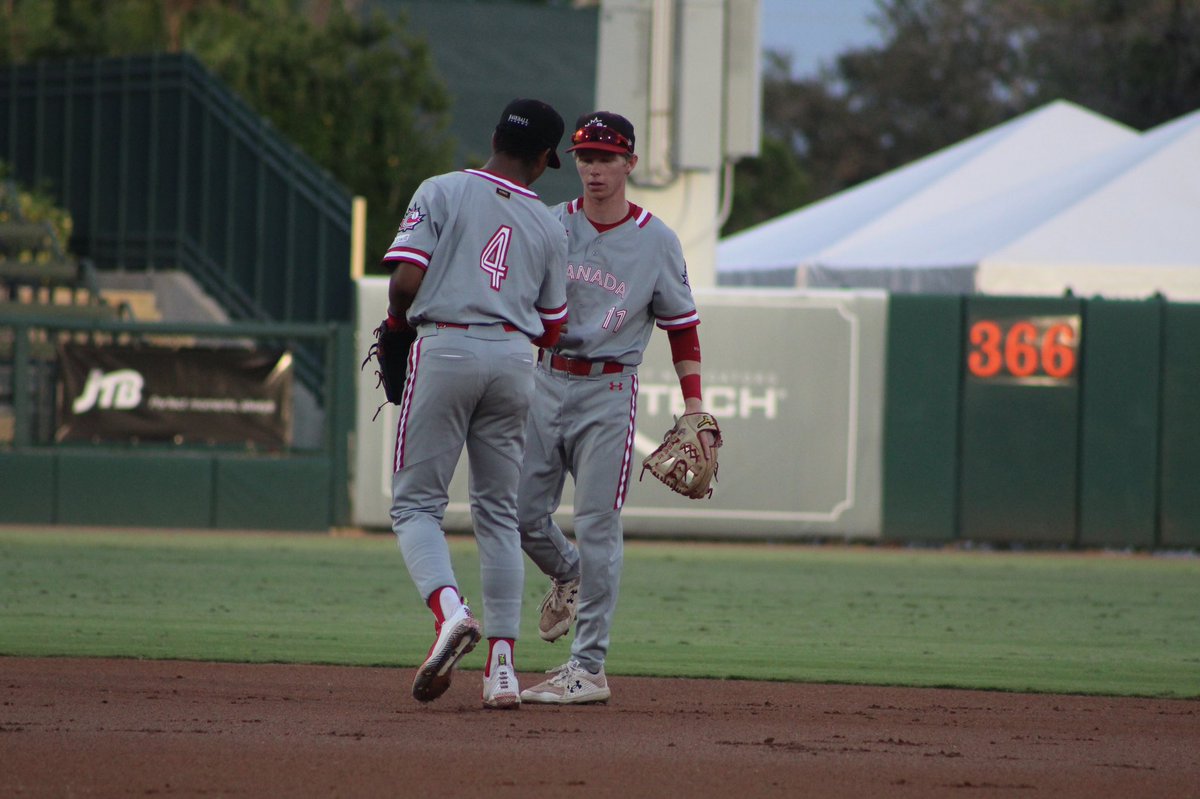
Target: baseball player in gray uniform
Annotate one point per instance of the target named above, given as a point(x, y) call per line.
point(478, 272)
point(625, 274)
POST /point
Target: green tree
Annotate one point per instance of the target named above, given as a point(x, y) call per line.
point(948, 69)
point(356, 92)
point(1137, 61)
point(770, 185)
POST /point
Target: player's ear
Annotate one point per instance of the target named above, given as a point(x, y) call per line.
point(630, 162)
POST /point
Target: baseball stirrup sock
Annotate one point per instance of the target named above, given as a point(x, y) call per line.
point(500, 653)
point(444, 602)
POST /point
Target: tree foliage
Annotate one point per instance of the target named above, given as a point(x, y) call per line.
point(20, 203)
point(947, 69)
point(356, 92)
point(1137, 61)
point(767, 186)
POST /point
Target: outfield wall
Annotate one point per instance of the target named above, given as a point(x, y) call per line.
point(912, 418)
point(1050, 420)
point(796, 381)
point(1015, 420)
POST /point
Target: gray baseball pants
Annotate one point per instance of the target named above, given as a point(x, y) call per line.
point(465, 387)
point(582, 426)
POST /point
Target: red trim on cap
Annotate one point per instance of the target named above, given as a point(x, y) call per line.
point(608, 148)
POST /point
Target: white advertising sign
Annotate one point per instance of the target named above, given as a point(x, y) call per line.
point(795, 380)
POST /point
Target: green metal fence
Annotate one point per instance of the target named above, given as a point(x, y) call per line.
point(162, 167)
point(186, 486)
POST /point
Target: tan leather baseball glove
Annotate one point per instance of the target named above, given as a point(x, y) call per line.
point(680, 462)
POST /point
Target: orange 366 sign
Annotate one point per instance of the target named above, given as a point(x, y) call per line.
point(1037, 350)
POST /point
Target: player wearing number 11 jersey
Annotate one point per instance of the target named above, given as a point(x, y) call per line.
point(625, 275)
point(478, 272)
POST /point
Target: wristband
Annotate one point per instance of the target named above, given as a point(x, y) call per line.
point(396, 322)
point(691, 386)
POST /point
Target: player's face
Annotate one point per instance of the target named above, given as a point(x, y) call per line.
point(602, 173)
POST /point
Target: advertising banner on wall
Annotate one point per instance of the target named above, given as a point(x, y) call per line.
point(794, 378)
point(211, 396)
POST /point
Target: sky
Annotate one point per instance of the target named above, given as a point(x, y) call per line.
point(816, 31)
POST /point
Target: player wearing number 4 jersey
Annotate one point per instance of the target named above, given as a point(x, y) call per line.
point(625, 274)
point(478, 272)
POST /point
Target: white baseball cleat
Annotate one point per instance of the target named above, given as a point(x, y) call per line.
point(558, 609)
point(500, 689)
point(572, 684)
point(457, 636)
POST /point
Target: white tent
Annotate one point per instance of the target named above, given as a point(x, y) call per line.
point(1121, 223)
point(800, 247)
point(1134, 234)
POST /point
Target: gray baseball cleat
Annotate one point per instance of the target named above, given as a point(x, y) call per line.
point(558, 609)
point(572, 684)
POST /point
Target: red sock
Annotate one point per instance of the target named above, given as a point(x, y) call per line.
point(443, 604)
point(501, 658)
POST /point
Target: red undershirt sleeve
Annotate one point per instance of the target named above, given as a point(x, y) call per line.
point(685, 346)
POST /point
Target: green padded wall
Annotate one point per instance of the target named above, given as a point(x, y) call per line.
point(140, 489)
point(920, 432)
point(27, 486)
point(1180, 478)
point(1019, 439)
point(256, 493)
point(175, 489)
point(1118, 459)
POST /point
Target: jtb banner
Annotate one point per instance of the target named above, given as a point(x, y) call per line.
point(183, 396)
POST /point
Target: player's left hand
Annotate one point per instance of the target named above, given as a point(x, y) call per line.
point(390, 353)
point(685, 462)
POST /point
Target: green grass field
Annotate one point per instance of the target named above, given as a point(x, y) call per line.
point(1059, 622)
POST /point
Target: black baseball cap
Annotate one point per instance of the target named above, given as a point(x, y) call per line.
point(603, 130)
point(536, 122)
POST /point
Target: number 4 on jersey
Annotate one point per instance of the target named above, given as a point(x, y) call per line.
point(495, 254)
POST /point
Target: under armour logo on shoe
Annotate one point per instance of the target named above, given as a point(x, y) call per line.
point(616, 386)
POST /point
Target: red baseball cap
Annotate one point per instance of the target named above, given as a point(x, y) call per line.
point(603, 130)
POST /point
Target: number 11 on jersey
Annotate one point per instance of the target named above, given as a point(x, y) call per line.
point(613, 313)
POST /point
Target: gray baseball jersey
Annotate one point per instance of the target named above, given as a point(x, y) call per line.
point(492, 255)
point(486, 245)
point(620, 283)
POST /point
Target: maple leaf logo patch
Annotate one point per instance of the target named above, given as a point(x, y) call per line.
point(412, 217)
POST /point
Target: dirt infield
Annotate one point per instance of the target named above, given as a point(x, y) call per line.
point(165, 728)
